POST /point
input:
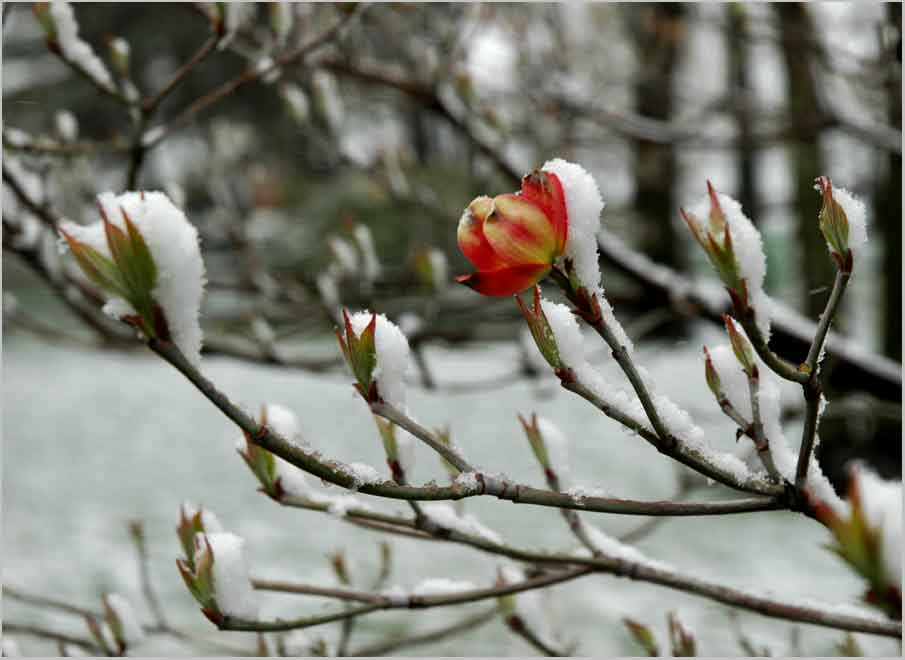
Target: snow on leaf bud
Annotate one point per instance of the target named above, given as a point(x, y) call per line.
point(360, 353)
point(261, 462)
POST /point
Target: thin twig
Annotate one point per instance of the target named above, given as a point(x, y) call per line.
point(761, 442)
point(399, 418)
point(137, 533)
point(464, 625)
point(46, 633)
point(813, 389)
point(517, 624)
point(151, 103)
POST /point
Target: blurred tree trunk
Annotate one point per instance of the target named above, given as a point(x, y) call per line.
point(741, 99)
point(889, 207)
point(796, 31)
point(658, 36)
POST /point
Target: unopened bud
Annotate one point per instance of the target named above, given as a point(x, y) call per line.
point(360, 352)
point(541, 331)
point(262, 463)
point(643, 635)
point(741, 347)
point(834, 225)
point(340, 569)
point(120, 52)
point(680, 638)
point(200, 578)
point(713, 378)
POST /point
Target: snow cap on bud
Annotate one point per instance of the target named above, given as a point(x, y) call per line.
point(120, 53)
point(716, 239)
point(191, 522)
point(735, 248)
point(536, 440)
point(378, 354)
point(541, 331)
point(513, 239)
point(131, 273)
point(219, 579)
point(360, 351)
point(741, 347)
point(870, 538)
point(145, 256)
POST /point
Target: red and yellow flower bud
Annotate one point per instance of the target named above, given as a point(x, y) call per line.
point(514, 239)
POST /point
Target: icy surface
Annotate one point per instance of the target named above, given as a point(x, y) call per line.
point(173, 243)
point(441, 587)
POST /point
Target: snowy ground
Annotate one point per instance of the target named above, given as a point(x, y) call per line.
point(93, 440)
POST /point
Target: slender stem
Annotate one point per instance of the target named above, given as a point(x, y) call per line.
point(334, 473)
point(52, 148)
point(761, 442)
point(779, 366)
point(686, 455)
point(250, 75)
point(813, 389)
point(144, 569)
point(313, 590)
point(399, 418)
point(150, 104)
point(518, 625)
point(464, 625)
point(44, 601)
point(44, 633)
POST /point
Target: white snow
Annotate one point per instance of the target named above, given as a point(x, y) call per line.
point(209, 520)
point(232, 587)
point(10, 648)
point(363, 474)
point(557, 448)
point(328, 290)
point(173, 243)
point(856, 214)
point(66, 125)
point(444, 515)
point(234, 15)
point(16, 137)
point(583, 206)
point(406, 444)
point(393, 357)
point(441, 587)
point(327, 95)
point(297, 101)
point(344, 253)
point(439, 268)
point(749, 254)
point(370, 264)
point(73, 48)
point(735, 386)
point(296, 643)
point(612, 548)
point(132, 632)
point(882, 504)
point(467, 481)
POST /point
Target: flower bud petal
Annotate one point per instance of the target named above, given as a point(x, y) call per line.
point(505, 281)
point(470, 234)
point(545, 189)
point(519, 231)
